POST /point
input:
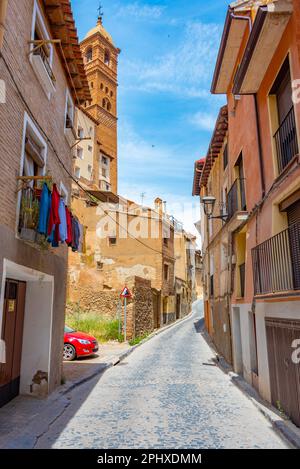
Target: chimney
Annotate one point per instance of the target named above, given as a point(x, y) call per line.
point(158, 205)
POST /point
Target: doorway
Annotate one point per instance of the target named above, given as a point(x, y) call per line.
point(178, 306)
point(12, 335)
point(237, 341)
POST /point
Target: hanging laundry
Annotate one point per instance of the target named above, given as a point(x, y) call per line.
point(45, 204)
point(54, 219)
point(80, 244)
point(69, 227)
point(75, 234)
point(63, 234)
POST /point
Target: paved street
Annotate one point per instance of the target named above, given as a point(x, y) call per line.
point(164, 395)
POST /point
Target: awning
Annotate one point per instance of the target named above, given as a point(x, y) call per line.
point(269, 25)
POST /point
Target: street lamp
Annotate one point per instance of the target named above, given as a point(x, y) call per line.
point(209, 202)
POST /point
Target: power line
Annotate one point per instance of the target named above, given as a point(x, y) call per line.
point(59, 159)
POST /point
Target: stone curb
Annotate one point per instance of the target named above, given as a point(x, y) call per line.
point(282, 425)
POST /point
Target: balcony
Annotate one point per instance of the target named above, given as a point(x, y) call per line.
point(286, 141)
point(276, 263)
point(236, 204)
point(43, 70)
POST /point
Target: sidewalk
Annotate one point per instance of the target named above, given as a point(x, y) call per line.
point(280, 422)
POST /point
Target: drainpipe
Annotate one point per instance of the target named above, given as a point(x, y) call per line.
point(260, 153)
point(245, 18)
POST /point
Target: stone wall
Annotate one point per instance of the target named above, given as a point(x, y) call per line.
point(140, 308)
point(104, 303)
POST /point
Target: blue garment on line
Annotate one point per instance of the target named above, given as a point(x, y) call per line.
point(63, 231)
point(45, 204)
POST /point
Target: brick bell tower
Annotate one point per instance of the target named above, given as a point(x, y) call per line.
point(101, 64)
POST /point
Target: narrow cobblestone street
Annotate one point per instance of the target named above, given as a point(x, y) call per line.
point(167, 394)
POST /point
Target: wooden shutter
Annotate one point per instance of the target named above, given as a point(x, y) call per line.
point(293, 213)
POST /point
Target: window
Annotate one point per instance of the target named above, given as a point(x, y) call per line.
point(105, 160)
point(112, 241)
point(283, 118)
point(92, 85)
point(80, 133)
point(111, 94)
point(33, 163)
point(166, 242)
point(106, 90)
point(107, 57)
point(225, 157)
point(90, 169)
point(41, 56)
point(106, 104)
point(104, 172)
point(80, 153)
point(100, 265)
point(101, 87)
point(77, 172)
point(89, 55)
point(64, 193)
point(69, 112)
point(90, 148)
point(166, 272)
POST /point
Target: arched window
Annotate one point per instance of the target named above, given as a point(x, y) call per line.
point(89, 55)
point(108, 107)
point(106, 57)
point(106, 90)
point(101, 86)
point(104, 102)
point(111, 94)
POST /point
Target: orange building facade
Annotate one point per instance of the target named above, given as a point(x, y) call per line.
point(255, 179)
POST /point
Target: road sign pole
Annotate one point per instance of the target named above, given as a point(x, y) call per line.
point(125, 319)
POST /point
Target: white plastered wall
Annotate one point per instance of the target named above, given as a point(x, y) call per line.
point(37, 332)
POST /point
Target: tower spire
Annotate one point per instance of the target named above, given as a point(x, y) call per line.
point(100, 13)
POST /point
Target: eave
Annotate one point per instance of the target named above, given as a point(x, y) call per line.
point(199, 165)
point(269, 26)
point(216, 144)
point(61, 21)
point(233, 34)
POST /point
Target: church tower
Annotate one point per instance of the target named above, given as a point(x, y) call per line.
point(101, 64)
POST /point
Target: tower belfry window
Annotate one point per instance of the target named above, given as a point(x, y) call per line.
point(106, 57)
point(89, 55)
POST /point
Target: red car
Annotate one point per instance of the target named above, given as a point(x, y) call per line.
point(78, 344)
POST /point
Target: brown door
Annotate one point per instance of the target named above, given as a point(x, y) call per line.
point(12, 334)
point(284, 373)
point(293, 213)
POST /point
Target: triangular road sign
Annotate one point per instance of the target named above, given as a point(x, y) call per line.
point(126, 293)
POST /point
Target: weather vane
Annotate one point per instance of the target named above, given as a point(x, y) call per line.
point(100, 11)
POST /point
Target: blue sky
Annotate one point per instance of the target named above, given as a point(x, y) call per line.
point(166, 113)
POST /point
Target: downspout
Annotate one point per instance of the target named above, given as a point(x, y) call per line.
point(245, 18)
point(260, 153)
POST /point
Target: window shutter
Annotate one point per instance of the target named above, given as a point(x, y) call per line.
point(34, 151)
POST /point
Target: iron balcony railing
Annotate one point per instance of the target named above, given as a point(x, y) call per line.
point(236, 198)
point(286, 141)
point(276, 263)
point(40, 51)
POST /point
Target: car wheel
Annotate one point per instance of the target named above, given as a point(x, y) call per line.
point(69, 352)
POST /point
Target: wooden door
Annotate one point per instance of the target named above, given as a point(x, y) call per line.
point(284, 373)
point(293, 213)
point(12, 334)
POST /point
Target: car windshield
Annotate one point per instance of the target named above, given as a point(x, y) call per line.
point(68, 330)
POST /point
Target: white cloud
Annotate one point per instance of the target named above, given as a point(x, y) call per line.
point(185, 70)
point(140, 11)
point(203, 121)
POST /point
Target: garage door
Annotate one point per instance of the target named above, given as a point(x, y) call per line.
point(284, 373)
